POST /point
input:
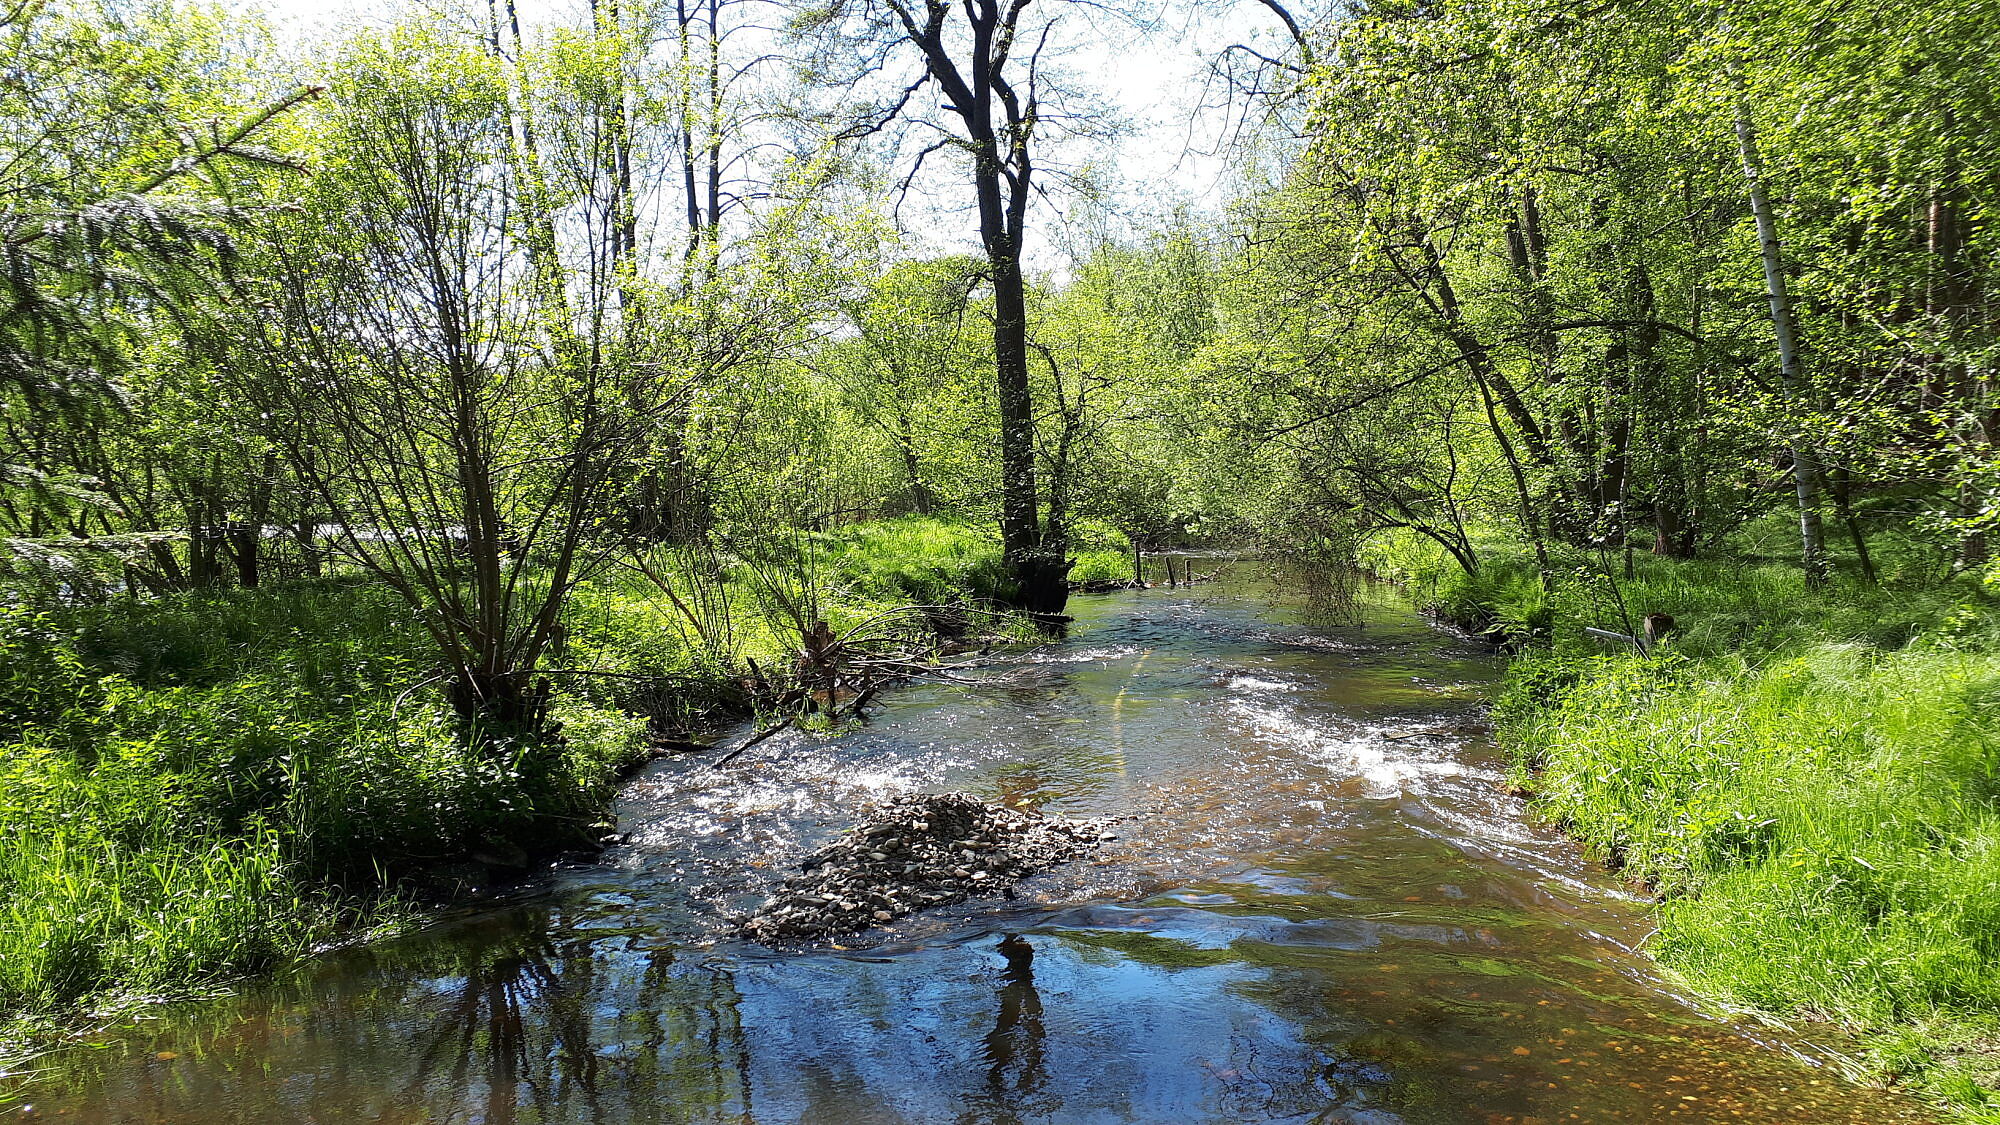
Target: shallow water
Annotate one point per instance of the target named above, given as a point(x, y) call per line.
point(1322, 908)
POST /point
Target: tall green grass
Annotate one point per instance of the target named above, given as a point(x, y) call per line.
point(1821, 825)
point(917, 559)
point(83, 909)
point(198, 787)
point(1808, 779)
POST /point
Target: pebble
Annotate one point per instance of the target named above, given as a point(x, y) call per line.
point(851, 883)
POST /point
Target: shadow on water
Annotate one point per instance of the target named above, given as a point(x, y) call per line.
point(1322, 909)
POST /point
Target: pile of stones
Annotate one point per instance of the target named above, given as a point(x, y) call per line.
point(913, 853)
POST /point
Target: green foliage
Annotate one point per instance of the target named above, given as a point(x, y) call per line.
point(81, 910)
point(1809, 781)
point(918, 560)
point(184, 782)
point(1807, 778)
point(125, 178)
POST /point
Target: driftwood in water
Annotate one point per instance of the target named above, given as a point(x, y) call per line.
point(837, 675)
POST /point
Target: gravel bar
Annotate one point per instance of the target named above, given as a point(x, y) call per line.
point(913, 853)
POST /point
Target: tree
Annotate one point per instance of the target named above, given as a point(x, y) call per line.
point(461, 404)
point(904, 374)
point(120, 230)
point(1805, 462)
point(984, 63)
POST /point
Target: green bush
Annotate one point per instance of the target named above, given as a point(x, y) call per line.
point(184, 783)
point(926, 560)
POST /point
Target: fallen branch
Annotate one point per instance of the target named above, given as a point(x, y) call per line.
point(760, 736)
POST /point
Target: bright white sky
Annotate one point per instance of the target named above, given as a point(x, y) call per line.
point(1158, 82)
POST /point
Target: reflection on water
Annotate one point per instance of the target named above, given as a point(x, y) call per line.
point(1017, 1064)
point(1322, 909)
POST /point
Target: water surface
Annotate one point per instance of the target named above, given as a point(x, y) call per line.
point(1322, 908)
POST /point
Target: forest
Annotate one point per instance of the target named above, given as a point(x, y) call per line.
point(412, 427)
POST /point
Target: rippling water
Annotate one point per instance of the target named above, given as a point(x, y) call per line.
point(1322, 908)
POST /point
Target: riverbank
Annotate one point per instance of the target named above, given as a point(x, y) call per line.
point(1806, 781)
point(205, 786)
point(1320, 904)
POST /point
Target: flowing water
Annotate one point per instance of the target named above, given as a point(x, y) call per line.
point(1322, 908)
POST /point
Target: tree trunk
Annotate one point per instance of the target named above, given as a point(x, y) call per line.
point(1040, 581)
point(246, 536)
point(1843, 503)
point(1953, 298)
point(1805, 462)
point(921, 501)
point(1673, 536)
point(504, 698)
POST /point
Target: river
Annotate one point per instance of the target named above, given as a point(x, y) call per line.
point(1322, 907)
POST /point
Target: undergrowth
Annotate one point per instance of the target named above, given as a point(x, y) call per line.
point(1808, 780)
point(192, 788)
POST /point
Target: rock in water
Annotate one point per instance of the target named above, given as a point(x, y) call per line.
point(913, 853)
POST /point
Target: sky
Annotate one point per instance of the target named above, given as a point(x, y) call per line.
point(1156, 80)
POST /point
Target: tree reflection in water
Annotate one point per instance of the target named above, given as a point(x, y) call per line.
point(542, 1030)
point(514, 1019)
point(1017, 1065)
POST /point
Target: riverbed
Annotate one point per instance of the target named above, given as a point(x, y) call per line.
point(1321, 906)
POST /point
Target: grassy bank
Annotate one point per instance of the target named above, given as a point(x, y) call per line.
point(202, 786)
point(1807, 779)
